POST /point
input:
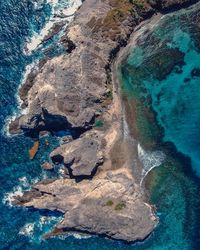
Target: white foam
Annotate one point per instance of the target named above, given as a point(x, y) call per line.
point(81, 236)
point(66, 13)
point(8, 120)
point(126, 133)
point(61, 172)
point(27, 71)
point(27, 229)
point(34, 181)
point(24, 182)
point(43, 220)
point(73, 6)
point(19, 110)
point(149, 160)
point(9, 197)
point(75, 235)
point(46, 220)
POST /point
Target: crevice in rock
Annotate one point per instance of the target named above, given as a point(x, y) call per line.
point(80, 178)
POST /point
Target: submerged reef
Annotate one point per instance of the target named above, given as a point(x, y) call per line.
point(79, 92)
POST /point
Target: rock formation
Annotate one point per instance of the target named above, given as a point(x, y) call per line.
point(109, 205)
point(73, 92)
point(82, 156)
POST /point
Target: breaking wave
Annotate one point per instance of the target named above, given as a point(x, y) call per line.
point(61, 11)
point(149, 160)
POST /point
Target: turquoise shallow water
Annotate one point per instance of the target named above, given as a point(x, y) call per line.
point(174, 188)
point(162, 75)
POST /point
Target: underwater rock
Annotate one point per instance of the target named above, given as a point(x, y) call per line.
point(168, 5)
point(47, 166)
point(33, 151)
point(195, 72)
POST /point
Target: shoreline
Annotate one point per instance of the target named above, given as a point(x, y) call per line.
point(32, 44)
point(141, 29)
point(114, 170)
point(37, 39)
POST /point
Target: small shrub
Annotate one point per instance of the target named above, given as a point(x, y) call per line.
point(120, 206)
point(138, 3)
point(109, 203)
point(98, 124)
point(109, 94)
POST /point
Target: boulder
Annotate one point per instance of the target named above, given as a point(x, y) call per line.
point(81, 156)
point(47, 166)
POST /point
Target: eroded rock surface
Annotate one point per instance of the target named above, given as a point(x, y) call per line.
point(82, 156)
point(109, 205)
point(69, 92)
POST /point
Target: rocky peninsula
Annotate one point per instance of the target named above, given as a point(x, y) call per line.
point(79, 92)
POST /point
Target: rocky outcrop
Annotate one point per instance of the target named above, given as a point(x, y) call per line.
point(109, 205)
point(47, 166)
point(69, 92)
point(82, 156)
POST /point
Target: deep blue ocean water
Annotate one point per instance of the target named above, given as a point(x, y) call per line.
point(174, 190)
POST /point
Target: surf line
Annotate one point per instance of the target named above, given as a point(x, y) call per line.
point(60, 12)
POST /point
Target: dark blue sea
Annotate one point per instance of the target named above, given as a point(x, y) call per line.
point(175, 100)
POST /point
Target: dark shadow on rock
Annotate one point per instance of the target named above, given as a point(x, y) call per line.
point(80, 178)
point(46, 212)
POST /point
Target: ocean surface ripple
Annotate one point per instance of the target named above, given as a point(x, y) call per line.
point(174, 189)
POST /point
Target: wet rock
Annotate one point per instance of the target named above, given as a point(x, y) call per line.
point(14, 127)
point(66, 139)
point(57, 27)
point(47, 166)
point(23, 92)
point(70, 87)
point(27, 196)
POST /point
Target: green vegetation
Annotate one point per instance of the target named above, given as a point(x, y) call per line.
point(120, 206)
point(98, 124)
point(109, 94)
point(138, 3)
point(109, 203)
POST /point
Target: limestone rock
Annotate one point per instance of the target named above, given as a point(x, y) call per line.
point(81, 156)
point(68, 92)
point(110, 205)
